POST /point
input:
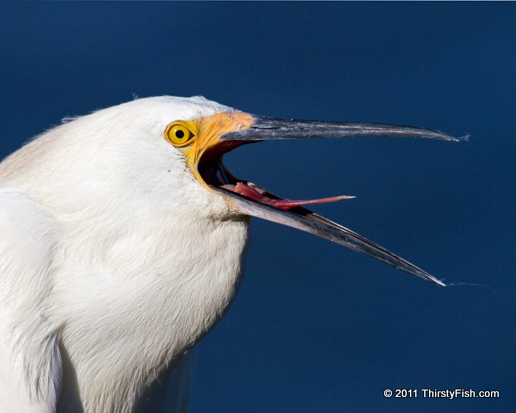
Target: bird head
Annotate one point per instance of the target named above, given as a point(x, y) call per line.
point(201, 134)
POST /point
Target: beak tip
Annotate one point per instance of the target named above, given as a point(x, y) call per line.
point(431, 278)
point(442, 284)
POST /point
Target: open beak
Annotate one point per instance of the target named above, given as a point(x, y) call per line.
point(250, 199)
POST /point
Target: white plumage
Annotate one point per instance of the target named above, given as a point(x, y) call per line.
point(115, 259)
point(101, 230)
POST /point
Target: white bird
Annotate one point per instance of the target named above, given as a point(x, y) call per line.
point(122, 238)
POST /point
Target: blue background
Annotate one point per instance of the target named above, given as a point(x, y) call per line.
point(317, 327)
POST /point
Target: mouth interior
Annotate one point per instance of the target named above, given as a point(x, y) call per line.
point(262, 204)
point(216, 175)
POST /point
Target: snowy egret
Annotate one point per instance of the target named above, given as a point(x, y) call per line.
point(122, 237)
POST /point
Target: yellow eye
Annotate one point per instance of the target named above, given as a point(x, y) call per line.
point(178, 135)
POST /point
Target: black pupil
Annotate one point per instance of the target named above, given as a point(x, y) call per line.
point(180, 134)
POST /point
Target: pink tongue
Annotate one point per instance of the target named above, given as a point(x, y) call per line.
point(250, 192)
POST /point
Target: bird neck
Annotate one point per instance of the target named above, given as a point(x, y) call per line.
point(128, 340)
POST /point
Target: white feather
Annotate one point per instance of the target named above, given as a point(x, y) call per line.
point(114, 260)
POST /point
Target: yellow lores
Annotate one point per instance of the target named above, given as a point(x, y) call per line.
point(200, 138)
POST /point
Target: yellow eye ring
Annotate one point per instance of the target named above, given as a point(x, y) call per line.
point(178, 135)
